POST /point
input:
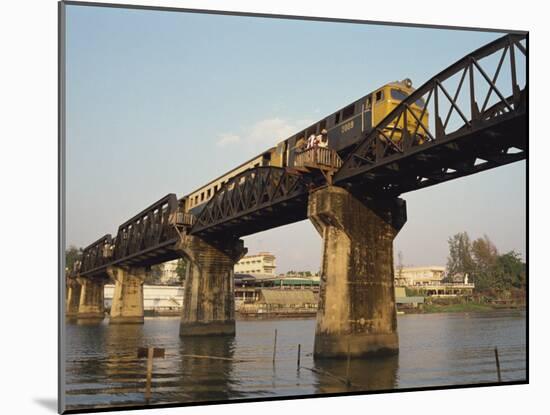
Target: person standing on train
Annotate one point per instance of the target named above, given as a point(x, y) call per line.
point(311, 141)
point(301, 144)
point(317, 140)
point(323, 139)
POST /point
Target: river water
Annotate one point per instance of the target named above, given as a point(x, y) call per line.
point(435, 350)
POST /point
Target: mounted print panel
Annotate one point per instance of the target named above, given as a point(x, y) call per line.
point(268, 207)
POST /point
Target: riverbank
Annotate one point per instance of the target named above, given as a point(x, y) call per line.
point(462, 308)
point(423, 309)
point(275, 315)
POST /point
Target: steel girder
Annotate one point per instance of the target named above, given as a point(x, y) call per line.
point(479, 139)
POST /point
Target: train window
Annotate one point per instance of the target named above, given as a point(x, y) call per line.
point(399, 95)
point(368, 104)
point(337, 119)
point(196, 199)
point(348, 111)
point(379, 96)
point(322, 125)
point(208, 193)
point(202, 196)
point(215, 188)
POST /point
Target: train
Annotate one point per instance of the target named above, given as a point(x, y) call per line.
point(344, 129)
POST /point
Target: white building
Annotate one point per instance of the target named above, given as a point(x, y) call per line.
point(415, 276)
point(262, 264)
point(168, 273)
point(156, 298)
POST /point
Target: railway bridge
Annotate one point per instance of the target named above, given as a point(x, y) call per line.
point(478, 121)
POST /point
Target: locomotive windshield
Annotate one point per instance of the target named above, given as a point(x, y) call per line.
point(400, 95)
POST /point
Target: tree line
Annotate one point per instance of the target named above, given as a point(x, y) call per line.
point(484, 265)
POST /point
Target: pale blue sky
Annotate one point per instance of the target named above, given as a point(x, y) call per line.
point(161, 102)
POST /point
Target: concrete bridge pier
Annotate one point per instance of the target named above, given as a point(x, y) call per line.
point(73, 298)
point(356, 300)
point(127, 305)
point(91, 298)
point(209, 299)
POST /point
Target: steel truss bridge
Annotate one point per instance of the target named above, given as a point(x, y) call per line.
point(478, 121)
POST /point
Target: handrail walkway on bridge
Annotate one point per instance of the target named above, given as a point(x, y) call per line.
point(323, 159)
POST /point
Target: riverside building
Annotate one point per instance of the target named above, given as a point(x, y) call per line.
point(261, 264)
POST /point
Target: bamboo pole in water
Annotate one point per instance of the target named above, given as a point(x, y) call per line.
point(498, 365)
point(150, 351)
point(274, 347)
point(347, 367)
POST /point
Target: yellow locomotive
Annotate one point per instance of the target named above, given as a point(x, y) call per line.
point(344, 129)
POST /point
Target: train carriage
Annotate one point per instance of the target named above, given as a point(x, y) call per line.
point(344, 129)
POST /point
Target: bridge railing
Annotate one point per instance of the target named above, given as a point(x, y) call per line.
point(318, 157)
point(147, 230)
point(96, 255)
point(248, 192)
point(152, 228)
point(479, 90)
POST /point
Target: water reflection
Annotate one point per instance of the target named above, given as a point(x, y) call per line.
point(103, 369)
point(86, 321)
point(368, 374)
point(123, 372)
point(206, 368)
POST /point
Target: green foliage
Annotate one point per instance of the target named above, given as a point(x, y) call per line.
point(154, 276)
point(511, 272)
point(447, 279)
point(412, 292)
point(460, 259)
point(480, 260)
point(455, 308)
point(485, 256)
point(72, 254)
point(181, 270)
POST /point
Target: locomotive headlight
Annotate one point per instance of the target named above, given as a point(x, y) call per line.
point(408, 83)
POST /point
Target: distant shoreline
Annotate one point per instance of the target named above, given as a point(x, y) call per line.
point(425, 309)
point(462, 308)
